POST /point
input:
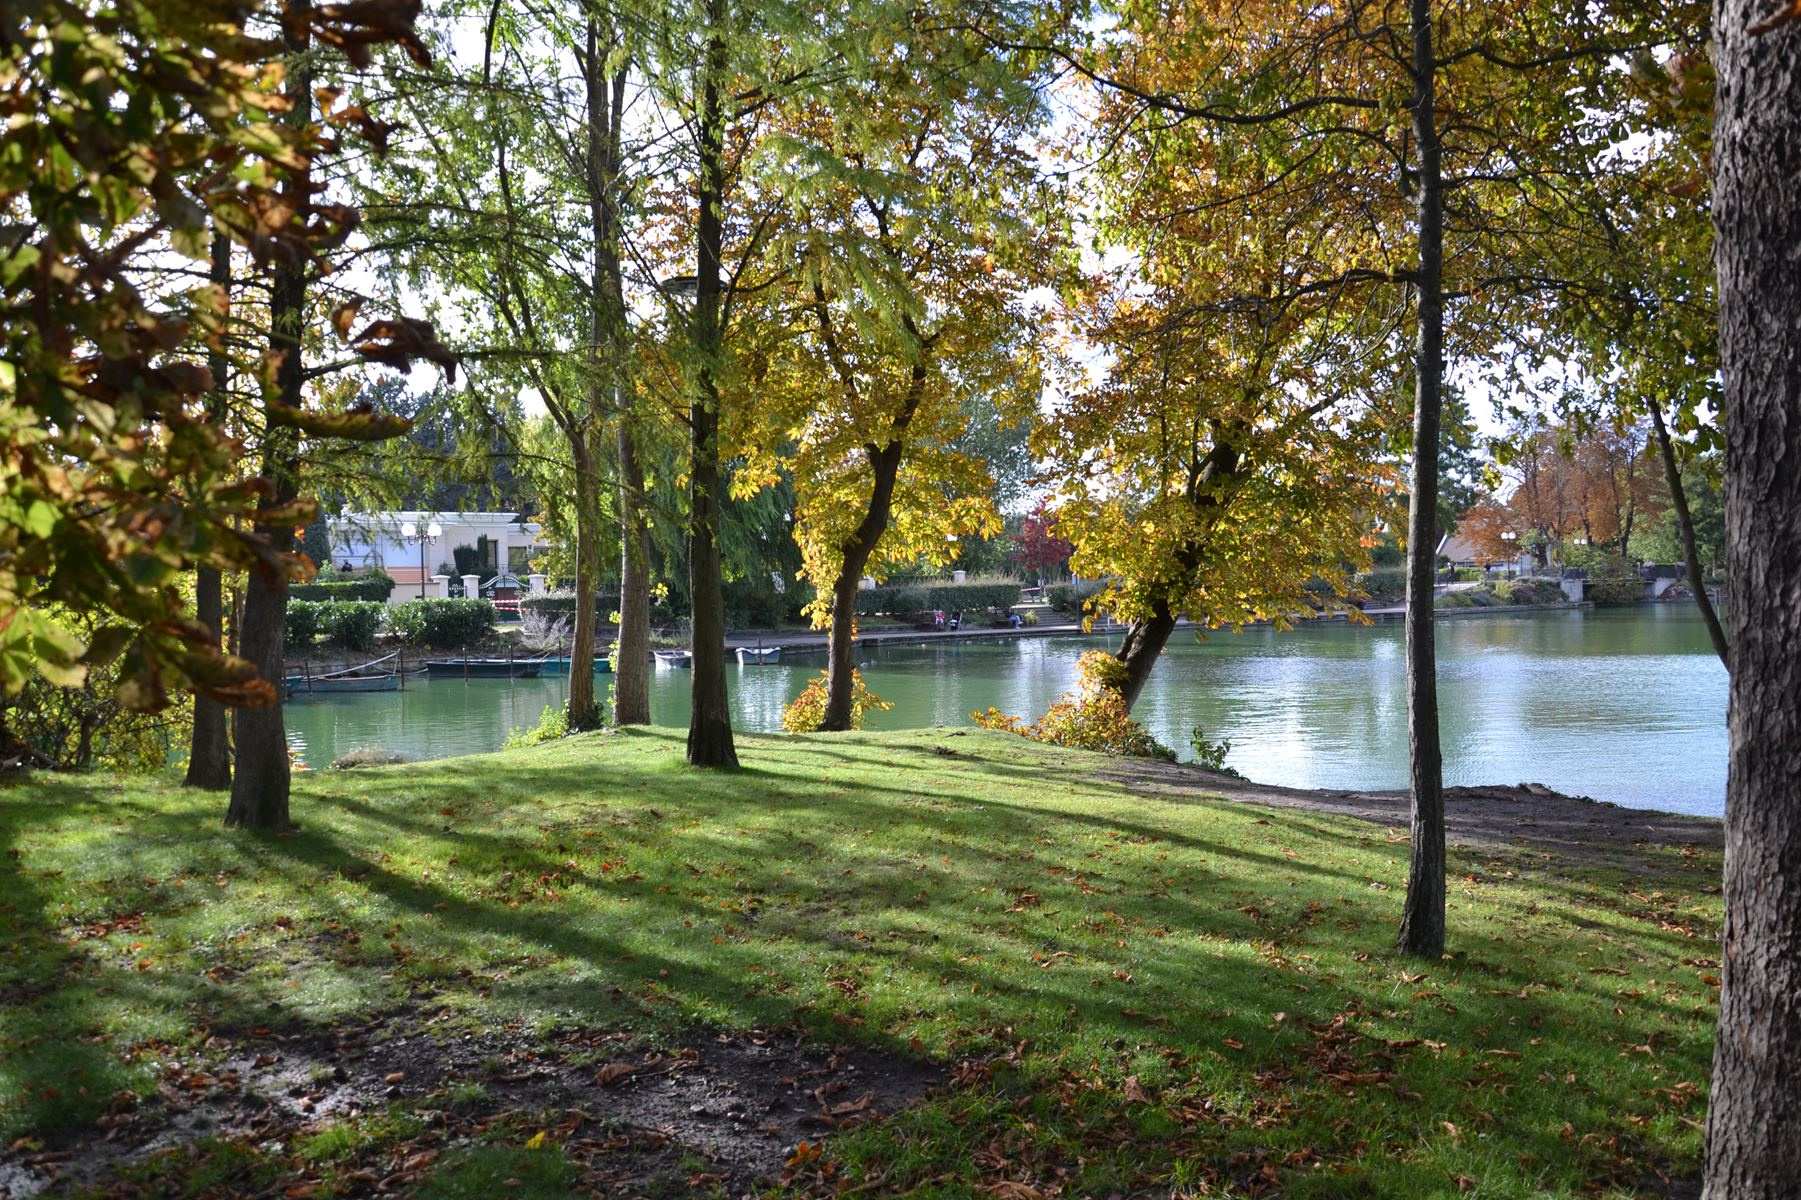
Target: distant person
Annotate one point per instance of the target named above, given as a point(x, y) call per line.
point(957, 620)
point(346, 568)
point(1015, 620)
point(938, 618)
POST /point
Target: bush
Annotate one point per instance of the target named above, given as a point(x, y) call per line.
point(808, 708)
point(1093, 717)
point(352, 623)
point(753, 603)
point(303, 622)
point(553, 723)
point(561, 603)
point(1389, 583)
point(1069, 597)
point(441, 622)
point(1613, 581)
point(373, 585)
point(1211, 755)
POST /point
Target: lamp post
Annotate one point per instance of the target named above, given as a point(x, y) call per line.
point(425, 537)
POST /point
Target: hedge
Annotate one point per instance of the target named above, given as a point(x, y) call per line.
point(938, 593)
point(353, 623)
point(1387, 583)
point(441, 622)
point(375, 585)
point(303, 622)
point(562, 604)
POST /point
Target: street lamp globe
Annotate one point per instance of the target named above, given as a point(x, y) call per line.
point(408, 529)
point(434, 530)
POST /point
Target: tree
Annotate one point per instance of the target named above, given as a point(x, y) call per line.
point(1039, 550)
point(101, 515)
point(1503, 104)
point(913, 218)
point(511, 205)
point(1754, 1114)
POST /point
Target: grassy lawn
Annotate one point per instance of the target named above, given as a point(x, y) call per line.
point(1131, 995)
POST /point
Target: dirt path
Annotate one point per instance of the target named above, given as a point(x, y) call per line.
point(1571, 826)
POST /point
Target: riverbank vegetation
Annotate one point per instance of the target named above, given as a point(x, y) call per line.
point(1111, 990)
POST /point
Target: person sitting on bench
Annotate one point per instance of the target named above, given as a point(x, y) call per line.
point(957, 620)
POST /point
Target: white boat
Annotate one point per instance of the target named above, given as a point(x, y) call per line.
point(752, 655)
point(674, 658)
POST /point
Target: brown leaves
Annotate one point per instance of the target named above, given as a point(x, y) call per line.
point(356, 26)
point(397, 341)
point(613, 1072)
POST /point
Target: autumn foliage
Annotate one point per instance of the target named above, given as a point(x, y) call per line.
point(1093, 717)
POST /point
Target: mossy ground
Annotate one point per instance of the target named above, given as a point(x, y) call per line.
point(1133, 994)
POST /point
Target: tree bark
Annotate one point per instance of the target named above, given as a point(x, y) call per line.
point(1422, 929)
point(583, 713)
point(1685, 528)
point(259, 792)
point(710, 719)
point(606, 99)
point(631, 673)
point(209, 759)
point(1144, 642)
point(840, 689)
point(1754, 1114)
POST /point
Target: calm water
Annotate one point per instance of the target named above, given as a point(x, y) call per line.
point(1627, 705)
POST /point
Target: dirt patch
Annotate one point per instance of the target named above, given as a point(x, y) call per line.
point(1575, 827)
point(714, 1112)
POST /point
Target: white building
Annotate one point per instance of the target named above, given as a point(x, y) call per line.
point(380, 539)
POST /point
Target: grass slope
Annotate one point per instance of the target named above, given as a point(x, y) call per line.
point(1144, 994)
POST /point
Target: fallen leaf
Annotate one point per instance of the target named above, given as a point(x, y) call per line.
point(613, 1072)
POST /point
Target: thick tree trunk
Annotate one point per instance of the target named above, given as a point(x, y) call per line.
point(1754, 1115)
point(209, 759)
point(259, 792)
point(631, 673)
point(1144, 642)
point(710, 718)
point(209, 762)
point(1423, 915)
point(1685, 529)
point(583, 712)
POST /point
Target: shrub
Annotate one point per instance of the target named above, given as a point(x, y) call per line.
point(1069, 597)
point(1093, 717)
point(1211, 755)
point(972, 595)
point(553, 723)
point(1029, 617)
point(441, 622)
point(1388, 583)
point(808, 708)
point(352, 623)
point(372, 585)
point(303, 622)
point(1613, 581)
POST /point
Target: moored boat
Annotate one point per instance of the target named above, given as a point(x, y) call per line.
point(560, 666)
point(674, 658)
point(484, 668)
point(308, 685)
point(751, 655)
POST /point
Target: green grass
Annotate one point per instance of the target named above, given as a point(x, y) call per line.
point(1145, 993)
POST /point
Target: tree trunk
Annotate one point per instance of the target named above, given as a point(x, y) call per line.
point(259, 792)
point(631, 673)
point(1685, 528)
point(1423, 916)
point(1144, 642)
point(710, 718)
point(583, 712)
point(840, 685)
point(1754, 1115)
point(606, 101)
point(209, 760)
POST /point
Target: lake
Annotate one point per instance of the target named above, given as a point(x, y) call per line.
point(1627, 705)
